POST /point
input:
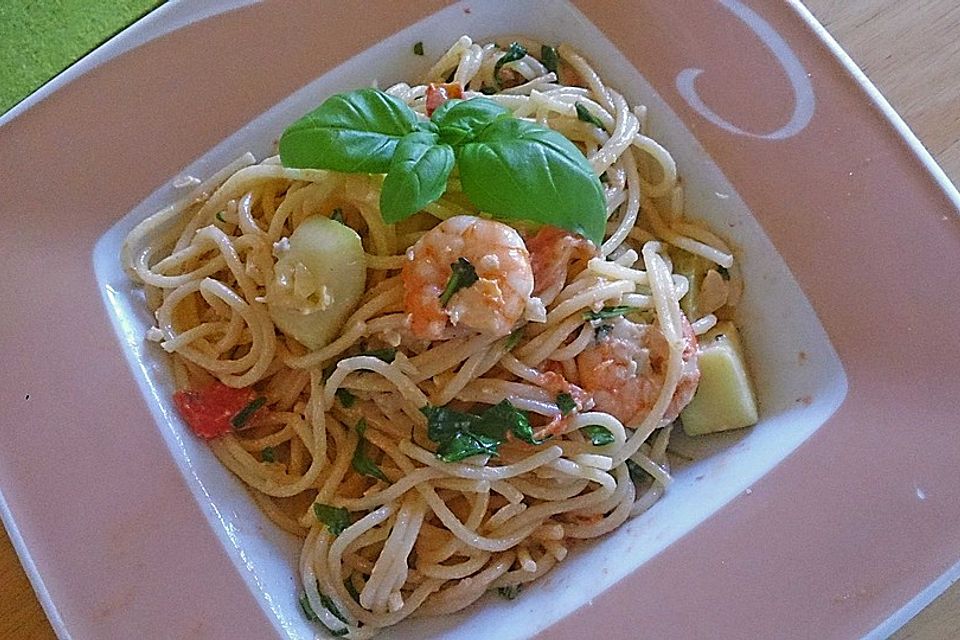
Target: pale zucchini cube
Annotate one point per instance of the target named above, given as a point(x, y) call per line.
point(319, 277)
point(725, 399)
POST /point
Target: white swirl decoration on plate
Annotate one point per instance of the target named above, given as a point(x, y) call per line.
point(796, 73)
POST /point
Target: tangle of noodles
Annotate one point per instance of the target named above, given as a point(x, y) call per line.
point(433, 537)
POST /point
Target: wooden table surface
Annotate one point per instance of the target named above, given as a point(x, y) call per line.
point(911, 51)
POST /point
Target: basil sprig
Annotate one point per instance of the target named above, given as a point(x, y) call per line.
point(463, 435)
point(510, 168)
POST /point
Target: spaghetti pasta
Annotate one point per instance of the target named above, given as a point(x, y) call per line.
point(344, 450)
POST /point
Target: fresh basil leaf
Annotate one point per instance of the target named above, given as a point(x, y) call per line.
point(425, 126)
point(220, 217)
point(565, 403)
point(268, 454)
point(465, 445)
point(584, 115)
point(417, 176)
point(243, 416)
point(462, 276)
point(515, 52)
point(353, 132)
point(521, 170)
point(510, 592)
point(336, 518)
point(345, 397)
point(460, 121)
point(361, 463)
point(599, 436)
point(550, 58)
point(418, 48)
point(608, 312)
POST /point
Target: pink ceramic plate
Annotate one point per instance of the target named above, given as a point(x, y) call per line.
point(835, 517)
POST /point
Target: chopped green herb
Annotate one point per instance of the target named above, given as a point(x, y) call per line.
point(565, 403)
point(220, 217)
point(463, 276)
point(307, 609)
point(637, 473)
point(602, 331)
point(336, 518)
point(514, 52)
point(361, 463)
point(387, 354)
point(337, 215)
point(584, 115)
point(352, 590)
point(514, 339)
point(345, 397)
point(504, 415)
point(268, 454)
point(549, 57)
point(510, 592)
point(465, 444)
point(463, 435)
point(723, 271)
point(332, 608)
point(607, 312)
point(598, 435)
point(418, 49)
point(243, 416)
point(312, 616)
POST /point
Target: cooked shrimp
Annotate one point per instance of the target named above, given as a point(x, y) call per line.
point(626, 368)
point(492, 305)
point(551, 251)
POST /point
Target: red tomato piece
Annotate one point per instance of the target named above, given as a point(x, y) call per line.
point(437, 94)
point(209, 411)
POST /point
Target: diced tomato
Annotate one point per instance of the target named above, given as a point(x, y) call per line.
point(437, 94)
point(209, 411)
